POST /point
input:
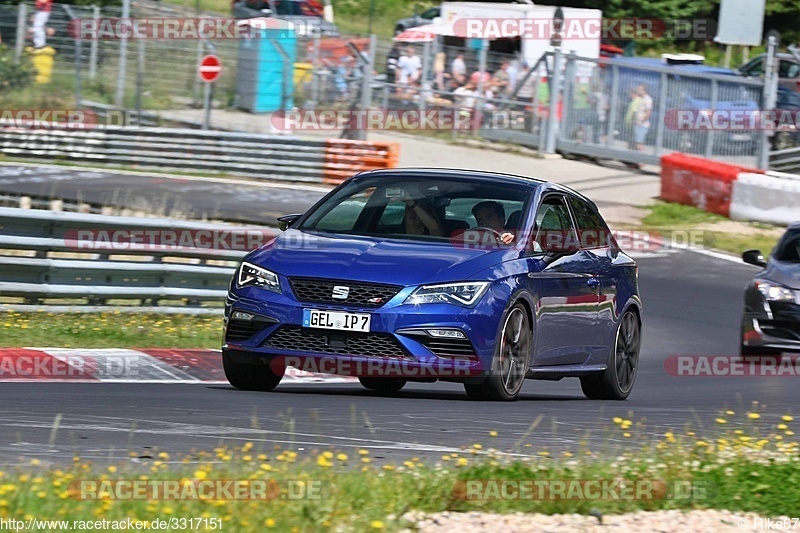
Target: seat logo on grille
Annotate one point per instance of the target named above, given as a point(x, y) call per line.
point(340, 292)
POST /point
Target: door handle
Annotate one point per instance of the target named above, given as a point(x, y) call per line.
point(593, 282)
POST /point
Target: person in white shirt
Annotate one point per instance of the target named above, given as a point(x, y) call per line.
point(458, 69)
point(409, 67)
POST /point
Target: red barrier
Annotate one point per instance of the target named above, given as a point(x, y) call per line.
point(699, 182)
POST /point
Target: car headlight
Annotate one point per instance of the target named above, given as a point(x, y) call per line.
point(774, 293)
point(254, 276)
point(466, 293)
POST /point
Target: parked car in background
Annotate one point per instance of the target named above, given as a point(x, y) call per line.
point(771, 317)
point(426, 17)
point(304, 14)
point(788, 69)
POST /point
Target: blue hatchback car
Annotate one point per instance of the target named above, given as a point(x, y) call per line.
point(424, 274)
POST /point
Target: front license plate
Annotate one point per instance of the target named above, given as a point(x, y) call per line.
point(314, 318)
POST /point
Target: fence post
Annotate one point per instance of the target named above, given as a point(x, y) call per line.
point(555, 93)
point(123, 55)
point(314, 72)
point(139, 81)
point(366, 79)
point(709, 149)
point(770, 95)
point(93, 47)
point(662, 110)
point(22, 28)
point(613, 104)
point(568, 118)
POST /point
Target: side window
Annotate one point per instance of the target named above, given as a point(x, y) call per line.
point(344, 216)
point(788, 69)
point(754, 68)
point(554, 231)
point(592, 230)
point(393, 215)
point(432, 13)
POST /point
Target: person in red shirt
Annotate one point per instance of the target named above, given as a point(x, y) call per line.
point(43, 8)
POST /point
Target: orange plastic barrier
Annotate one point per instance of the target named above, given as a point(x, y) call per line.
point(699, 182)
point(343, 158)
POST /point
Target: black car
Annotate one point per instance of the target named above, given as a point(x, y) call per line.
point(771, 318)
point(426, 17)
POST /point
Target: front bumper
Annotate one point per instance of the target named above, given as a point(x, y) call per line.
point(396, 346)
point(773, 325)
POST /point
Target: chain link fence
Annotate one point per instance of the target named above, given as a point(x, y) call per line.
point(629, 109)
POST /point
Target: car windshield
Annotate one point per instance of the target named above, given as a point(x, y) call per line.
point(789, 247)
point(427, 209)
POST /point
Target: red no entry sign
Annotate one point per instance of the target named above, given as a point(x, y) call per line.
point(210, 68)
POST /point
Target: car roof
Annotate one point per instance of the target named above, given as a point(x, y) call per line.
point(475, 175)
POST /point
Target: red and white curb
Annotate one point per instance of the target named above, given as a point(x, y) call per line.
point(158, 365)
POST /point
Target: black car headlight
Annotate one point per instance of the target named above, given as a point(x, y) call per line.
point(466, 293)
point(774, 293)
point(250, 275)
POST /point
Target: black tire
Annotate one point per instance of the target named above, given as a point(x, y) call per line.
point(510, 362)
point(617, 381)
point(249, 377)
point(383, 384)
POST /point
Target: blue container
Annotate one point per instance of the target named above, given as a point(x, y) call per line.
point(264, 73)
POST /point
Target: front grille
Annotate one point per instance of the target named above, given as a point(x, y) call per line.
point(294, 338)
point(242, 330)
point(360, 294)
point(448, 347)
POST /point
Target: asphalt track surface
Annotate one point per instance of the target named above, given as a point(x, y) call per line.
point(167, 195)
point(692, 307)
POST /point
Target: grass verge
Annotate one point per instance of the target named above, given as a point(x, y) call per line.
point(690, 225)
point(109, 329)
point(336, 490)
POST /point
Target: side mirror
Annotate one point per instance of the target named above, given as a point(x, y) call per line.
point(754, 257)
point(285, 222)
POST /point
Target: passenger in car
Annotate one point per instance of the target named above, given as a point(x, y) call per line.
point(419, 220)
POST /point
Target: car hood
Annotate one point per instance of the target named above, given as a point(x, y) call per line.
point(785, 273)
point(377, 260)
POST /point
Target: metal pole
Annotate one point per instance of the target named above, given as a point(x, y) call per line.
point(662, 110)
point(139, 81)
point(314, 72)
point(728, 53)
point(93, 46)
point(366, 89)
point(709, 148)
point(770, 95)
point(78, 53)
point(613, 104)
point(197, 81)
point(423, 91)
point(21, 30)
point(123, 50)
point(555, 90)
point(207, 106)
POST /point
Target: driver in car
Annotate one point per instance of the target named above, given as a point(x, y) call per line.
point(492, 215)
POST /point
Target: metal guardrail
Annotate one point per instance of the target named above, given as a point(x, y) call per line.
point(58, 255)
point(787, 160)
point(265, 156)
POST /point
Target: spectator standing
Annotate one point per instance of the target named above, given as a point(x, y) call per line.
point(410, 66)
point(458, 70)
point(43, 9)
